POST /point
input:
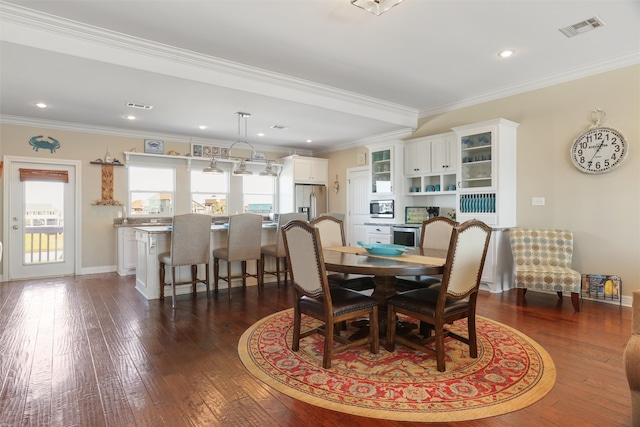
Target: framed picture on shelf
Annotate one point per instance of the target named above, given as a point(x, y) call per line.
point(206, 150)
point(153, 146)
point(602, 286)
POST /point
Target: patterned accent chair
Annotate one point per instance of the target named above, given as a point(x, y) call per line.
point(542, 262)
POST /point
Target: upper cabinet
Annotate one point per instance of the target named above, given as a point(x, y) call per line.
point(487, 172)
point(385, 164)
point(417, 157)
point(430, 164)
point(444, 157)
point(307, 170)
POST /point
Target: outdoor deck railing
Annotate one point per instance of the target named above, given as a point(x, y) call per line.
point(39, 246)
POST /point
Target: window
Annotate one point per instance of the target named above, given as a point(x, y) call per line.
point(151, 190)
point(259, 194)
point(209, 193)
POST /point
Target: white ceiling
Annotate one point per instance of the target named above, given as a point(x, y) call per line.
point(327, 70)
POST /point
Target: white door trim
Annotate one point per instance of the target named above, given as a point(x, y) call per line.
point(77, 164)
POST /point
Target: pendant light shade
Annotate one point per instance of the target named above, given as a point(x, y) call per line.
point(268, 171)
point(242, 170)
point(377, 7)
point(213, 168)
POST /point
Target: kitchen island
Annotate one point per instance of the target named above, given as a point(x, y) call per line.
point(154, 240)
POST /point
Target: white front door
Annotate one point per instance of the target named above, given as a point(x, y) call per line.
point(40, 218)
point(358, 192)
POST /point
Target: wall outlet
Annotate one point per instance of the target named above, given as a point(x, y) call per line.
point(119, 214)
point(537, 201)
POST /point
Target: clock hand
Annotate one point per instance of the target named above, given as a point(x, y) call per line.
point(597, 151)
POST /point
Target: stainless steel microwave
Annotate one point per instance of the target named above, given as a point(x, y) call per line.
point(381, 208)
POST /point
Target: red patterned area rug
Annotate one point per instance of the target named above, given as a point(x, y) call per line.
point(511, 372)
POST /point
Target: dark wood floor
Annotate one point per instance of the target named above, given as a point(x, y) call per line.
point(90, 351)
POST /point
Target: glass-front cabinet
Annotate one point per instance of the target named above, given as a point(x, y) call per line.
point(382, 170)
point(487, 172)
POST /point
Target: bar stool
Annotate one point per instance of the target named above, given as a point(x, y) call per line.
point(190, 245)
point(277, 250)
point(243, 244)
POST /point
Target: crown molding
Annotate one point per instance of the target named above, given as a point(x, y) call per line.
point(127, 133)
point(610, 64)
point(24, 26)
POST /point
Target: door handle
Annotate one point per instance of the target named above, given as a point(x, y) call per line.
point(15, 227)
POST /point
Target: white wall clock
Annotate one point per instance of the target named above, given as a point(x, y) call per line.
point(600, 149)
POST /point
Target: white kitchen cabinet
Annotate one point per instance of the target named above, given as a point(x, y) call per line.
point(417, 157)
point(444, 157)
point(430, 165)
point(309, 170)
point(126, 251)
point(387, 169)
point(487, 172)
point(378, 234)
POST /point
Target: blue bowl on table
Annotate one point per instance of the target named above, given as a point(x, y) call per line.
point(384, 249)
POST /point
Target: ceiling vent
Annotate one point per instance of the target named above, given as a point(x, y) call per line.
point(582, 27)
point(139, 106)
point(279, 127)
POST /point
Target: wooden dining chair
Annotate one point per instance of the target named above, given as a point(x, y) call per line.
point(190, 245)
point(332, 234)
point(244, 238)
point(435, 234)
point(454, 299)
point(276, 250)
point(315, 298)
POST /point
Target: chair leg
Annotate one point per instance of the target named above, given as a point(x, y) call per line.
point(229, 278)
point(206, 277)
point(216, 274)
point(278, 271)
point(173, 287)
point(439, 327)
point(162, 280)
point(373, 330)
point(520, 297)
point(575, 300)
point(287, 268)
point(262, 267)
point(244, 274)
point(194, 277)
point(260, 278)
point(328, 345)
point(471, 331)
point(297, 319)
point(391, 328)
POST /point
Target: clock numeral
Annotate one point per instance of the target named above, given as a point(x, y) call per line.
point(607, 163)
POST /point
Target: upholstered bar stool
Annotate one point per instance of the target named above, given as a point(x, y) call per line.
point(277, 250)
point(332, 234)
point(190, 245)
point(243, 244)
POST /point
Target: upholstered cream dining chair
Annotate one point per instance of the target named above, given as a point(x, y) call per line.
point(277, 250)
point(332, 234)
point(455, 298)
point(542, 262)
point(435, 234)
point(190, 245)
point(316, 299)
point(244, 238)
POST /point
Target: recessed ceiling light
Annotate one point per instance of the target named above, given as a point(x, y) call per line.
point(309, 141)
point(260, 134)
point(202, 127)
point(41, 105)
point(506, 53)
point(130, 117)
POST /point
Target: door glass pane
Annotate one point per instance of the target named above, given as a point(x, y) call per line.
point(44, 222)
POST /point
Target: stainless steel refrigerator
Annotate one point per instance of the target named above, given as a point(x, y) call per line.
point(311, 199)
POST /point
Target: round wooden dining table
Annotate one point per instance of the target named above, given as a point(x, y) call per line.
point(384, 269)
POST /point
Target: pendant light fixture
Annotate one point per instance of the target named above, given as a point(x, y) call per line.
point(242, 166)
point(213, 168)
point(268, 171)
point(377, 7)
